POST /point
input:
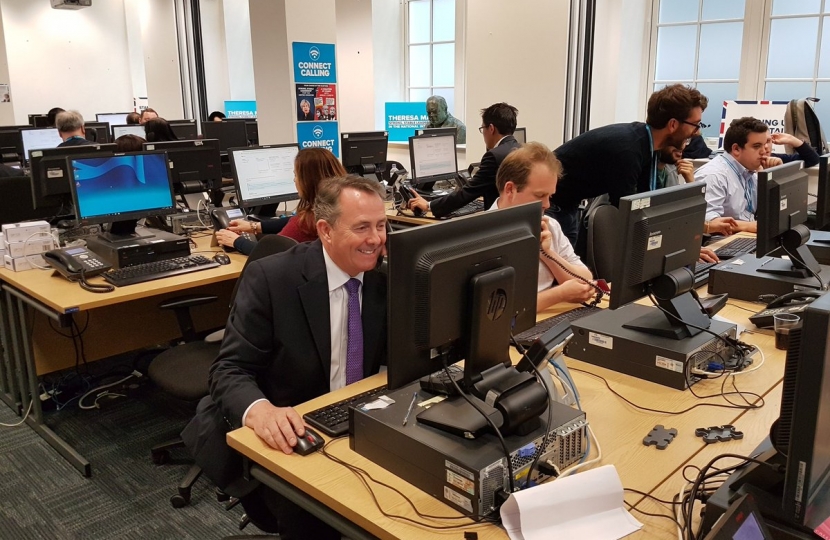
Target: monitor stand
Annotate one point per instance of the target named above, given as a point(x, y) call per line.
point(125, 231)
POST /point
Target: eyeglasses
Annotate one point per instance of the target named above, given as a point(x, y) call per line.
point(482, 128)
point(700, 126)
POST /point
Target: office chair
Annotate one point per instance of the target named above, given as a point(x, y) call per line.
point(602, 236)
point(182, 371)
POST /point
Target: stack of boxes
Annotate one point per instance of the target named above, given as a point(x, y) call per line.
point(24, 243)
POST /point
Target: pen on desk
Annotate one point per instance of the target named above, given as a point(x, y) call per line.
point(411, 404)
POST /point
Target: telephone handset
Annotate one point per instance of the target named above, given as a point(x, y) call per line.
point(71, 262)
point(222, 218)
point(794, 299)
point(381, 265)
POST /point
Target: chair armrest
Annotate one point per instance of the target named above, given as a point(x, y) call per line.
point(188, 301)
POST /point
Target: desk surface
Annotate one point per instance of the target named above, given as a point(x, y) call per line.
point(50, 288)
point(619, 427)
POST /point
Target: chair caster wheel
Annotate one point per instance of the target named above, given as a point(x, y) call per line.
point(178, 501)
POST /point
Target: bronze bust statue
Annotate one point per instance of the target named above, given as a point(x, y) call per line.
point(440, 117)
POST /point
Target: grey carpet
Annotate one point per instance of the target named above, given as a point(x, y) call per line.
point(127, 495)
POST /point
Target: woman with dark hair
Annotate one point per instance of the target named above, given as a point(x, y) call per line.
point(311, 167)
point(133, 119)
point(159, 130)
point(216, 116)
point(129, 143)
point(52, 115)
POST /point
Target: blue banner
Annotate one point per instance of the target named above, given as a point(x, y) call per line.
point(313, 62)
point(240, 109)
point(319, 135)
point(403, 118)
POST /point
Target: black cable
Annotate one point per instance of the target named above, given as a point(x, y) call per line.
point(632, 507)
point(541, 450)
point(743, 308)
point(489, 421)
point(644, 494)
point(647, 409)
point(93, 287)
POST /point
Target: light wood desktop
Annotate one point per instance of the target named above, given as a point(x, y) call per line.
point(619, 427)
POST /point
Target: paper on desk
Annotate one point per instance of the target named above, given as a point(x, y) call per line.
point(584, 505)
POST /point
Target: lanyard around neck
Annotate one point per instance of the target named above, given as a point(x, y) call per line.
point(653, 180)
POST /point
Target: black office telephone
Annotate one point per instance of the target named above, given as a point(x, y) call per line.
point(794, 303)
point(222, 218)
point(73, 261)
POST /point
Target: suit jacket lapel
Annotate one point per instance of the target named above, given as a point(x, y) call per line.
point(314, 295)
point(374, 320)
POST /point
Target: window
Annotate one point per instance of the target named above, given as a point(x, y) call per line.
point(431, 53)
point(693, 37)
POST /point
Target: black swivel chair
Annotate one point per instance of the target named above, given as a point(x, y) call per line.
point(602, 238)
point(182, 371)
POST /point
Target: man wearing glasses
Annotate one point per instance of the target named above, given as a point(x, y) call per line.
point(498, 124)
point(621, 159)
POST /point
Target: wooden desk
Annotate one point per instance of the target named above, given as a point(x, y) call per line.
point(35, 301)
point(619, 427)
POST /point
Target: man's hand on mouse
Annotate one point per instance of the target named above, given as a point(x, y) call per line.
point(279, 427)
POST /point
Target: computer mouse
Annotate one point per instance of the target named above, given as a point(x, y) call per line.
point(222, 258)
point(310, 442)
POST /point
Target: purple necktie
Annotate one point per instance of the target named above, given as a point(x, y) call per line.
point(354, 349)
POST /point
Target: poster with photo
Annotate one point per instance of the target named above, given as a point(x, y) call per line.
point(316, 102)
point(5, 93)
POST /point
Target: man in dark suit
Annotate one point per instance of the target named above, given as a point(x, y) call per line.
point(498, 124)
point(70, 126)
point(304, 322)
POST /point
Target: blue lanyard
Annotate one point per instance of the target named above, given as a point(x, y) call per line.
point(749, 188)
point(653, 181)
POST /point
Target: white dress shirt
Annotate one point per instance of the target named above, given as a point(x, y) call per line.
point(726, 189)
point(339, 323)
point(560, 244)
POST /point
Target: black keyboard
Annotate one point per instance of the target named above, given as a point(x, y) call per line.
point(333, 420)
point(702, 273)
point(470, 208)
point(158, 269)
point(736, 248)
point(527, 337)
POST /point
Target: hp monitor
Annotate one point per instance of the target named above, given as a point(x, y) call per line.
point(364, 152)
point(457, 290)
point(195, 166)
point(264, 174)
point(781, 217)
point(50, 173)
point(138, 131)
point(432, 159)
point(39, 138)
point(229, 133)
point(121, 189)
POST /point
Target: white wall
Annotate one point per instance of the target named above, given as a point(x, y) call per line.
point(161, 57)
point(138, 76)
point(517, 52)
point(355, 65)
point(387, 42)
point(63, 58)
point(620, 61)
point(238, 49)
point(6, 109)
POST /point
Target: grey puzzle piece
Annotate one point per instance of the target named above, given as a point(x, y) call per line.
point(719, 434)
point(660, 437)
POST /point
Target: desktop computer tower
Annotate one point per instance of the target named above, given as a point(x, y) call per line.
point(149, 245)
point(740, 278)
point(600, 339)
point(464, 473)
point(819, 246)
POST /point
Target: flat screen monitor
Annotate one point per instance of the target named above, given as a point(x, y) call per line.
point(132, 129)
point(37, 138)
point(822, 220)
point(113, 119)
point(432, 158)
point(185, 130)
point(38, 120)
point(121, 188)
point(50, 172)
point(659, 237)
point(436, 131)
point(195, 166)
point(229, 133)
point(264, 174)
point(781, 218)
point(520, 135)
point(11, 142)
point(364, 152)
point(252, 132)
point(801, 436)
point(97, 132)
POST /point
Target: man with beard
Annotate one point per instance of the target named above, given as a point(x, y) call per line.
point(620, 159)
point(672, 169)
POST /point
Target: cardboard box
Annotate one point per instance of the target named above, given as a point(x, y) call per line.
point(20, 232)
point(38, 244)
point(24, 263)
